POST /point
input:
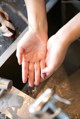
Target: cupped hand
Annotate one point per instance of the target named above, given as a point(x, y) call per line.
point(56, 51)
point(31, 52)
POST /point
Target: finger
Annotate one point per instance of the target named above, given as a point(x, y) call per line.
point(25, 71)
point(31, 74)
point(19, 54)
point(48, 71)
point(37, 73)
point(42, 66)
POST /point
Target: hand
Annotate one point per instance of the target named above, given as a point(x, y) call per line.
point(56, 51)
point(31, 52)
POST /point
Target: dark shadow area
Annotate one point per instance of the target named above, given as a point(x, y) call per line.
point(54, 19)
point(72, 59)
point(11, 70)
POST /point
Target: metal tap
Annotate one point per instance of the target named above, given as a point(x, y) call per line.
point(46, 103)
point(5, 85)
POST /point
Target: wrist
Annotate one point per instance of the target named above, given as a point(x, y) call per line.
point(63, 37)
point(37, 19)
point(70, 31)
point(39, 27)
point(67, 35)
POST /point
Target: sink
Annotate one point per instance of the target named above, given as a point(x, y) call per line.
point(9, 67)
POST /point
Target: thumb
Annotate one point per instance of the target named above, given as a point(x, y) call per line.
point(45, 73)
point(48, 71)
point(45, 70)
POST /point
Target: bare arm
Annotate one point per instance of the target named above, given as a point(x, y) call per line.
point(31, 49)
point(58, 44)
point(70, 31)
point(37, 14)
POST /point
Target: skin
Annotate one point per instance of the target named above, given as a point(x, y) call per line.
point(31, 49)
point(58, 44)
point(37, 64)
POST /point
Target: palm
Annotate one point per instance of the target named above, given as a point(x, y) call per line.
point(35, 48)
point(31, 51)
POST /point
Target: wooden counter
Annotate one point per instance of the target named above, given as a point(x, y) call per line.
point(15, 104)
point(68, 87)
point(65, 86)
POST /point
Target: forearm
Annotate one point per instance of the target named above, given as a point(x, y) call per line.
point(37, 14)
point(70, 31)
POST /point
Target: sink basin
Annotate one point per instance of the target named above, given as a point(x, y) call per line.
point(9, 67)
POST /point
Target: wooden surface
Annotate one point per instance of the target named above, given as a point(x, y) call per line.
point(65, 86)
point(16, 104)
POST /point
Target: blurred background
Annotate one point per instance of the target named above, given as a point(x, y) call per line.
point(58, 13)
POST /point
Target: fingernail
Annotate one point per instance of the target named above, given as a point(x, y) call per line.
point(31, 85)
point(43, 75)
point(36, 83)
point(24, 80)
